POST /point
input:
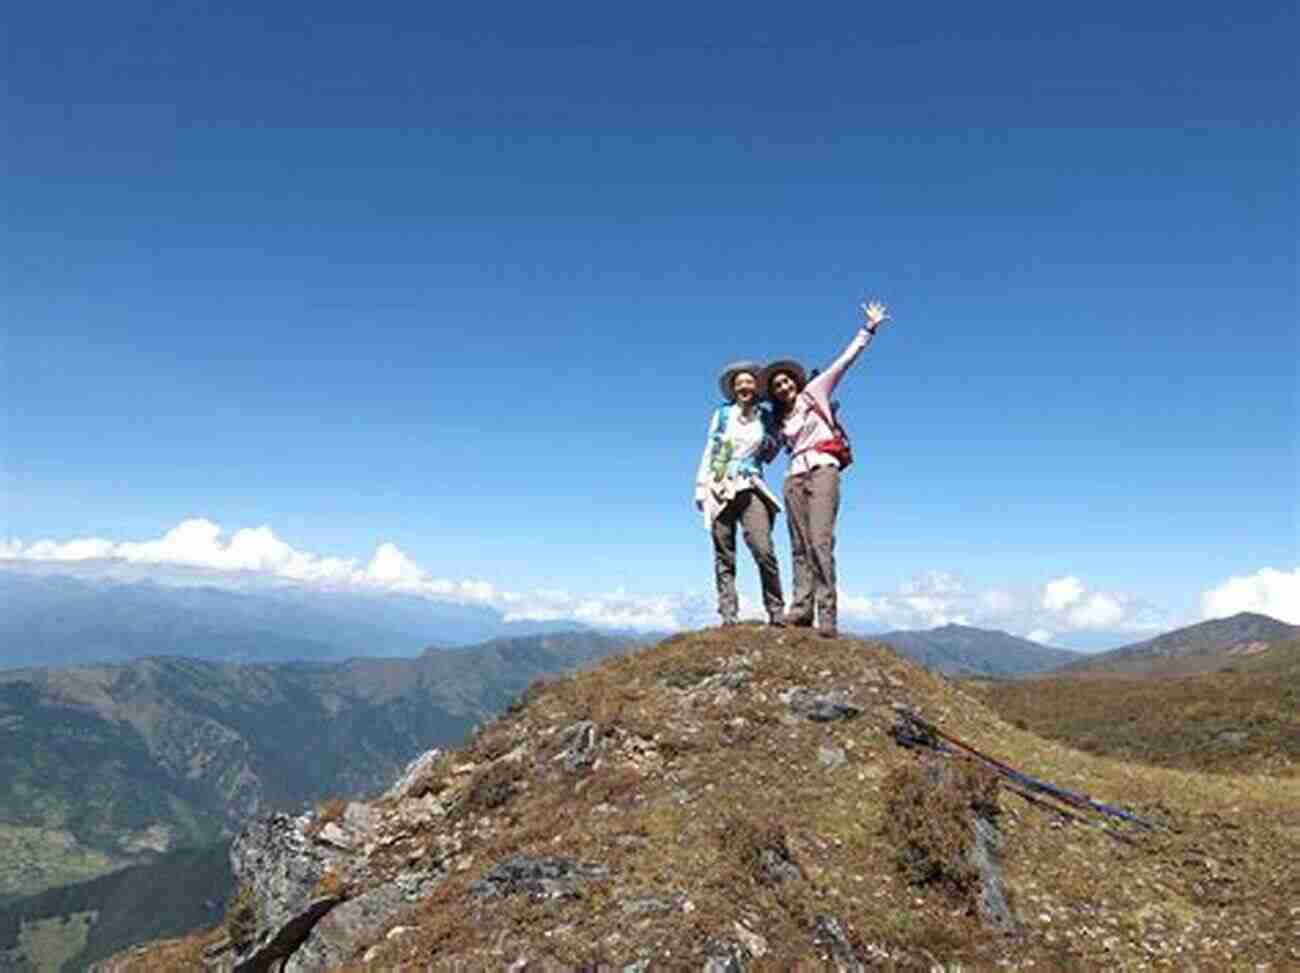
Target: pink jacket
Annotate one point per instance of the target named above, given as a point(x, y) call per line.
point(802, 427)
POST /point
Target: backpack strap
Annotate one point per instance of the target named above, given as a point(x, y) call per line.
point(829, 420)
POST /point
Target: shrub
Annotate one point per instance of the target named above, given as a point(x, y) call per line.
point(241, 917)
point(929, 820)
point(490, 788)
point(612, 784)
point(760, 848)
point(329, 885)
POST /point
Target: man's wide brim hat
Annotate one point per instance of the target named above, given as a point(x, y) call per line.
point(728, 375)
point(787, 365)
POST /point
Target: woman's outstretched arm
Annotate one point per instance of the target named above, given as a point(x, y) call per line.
point(875, 314)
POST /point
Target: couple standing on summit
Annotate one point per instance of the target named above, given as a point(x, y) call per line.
point(767, 409)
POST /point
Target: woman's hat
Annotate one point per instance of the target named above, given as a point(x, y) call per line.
point(787, 365)
point(728, 375)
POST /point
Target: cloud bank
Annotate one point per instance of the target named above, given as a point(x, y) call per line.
point(1268, 591)
point(201, 543)
point(1042, 612)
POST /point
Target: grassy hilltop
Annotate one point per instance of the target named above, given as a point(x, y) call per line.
point(715, 818)
point(1242, 718)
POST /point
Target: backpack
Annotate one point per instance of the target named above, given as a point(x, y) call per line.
point(838, 446)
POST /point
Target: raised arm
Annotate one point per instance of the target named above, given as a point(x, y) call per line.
point(874, 315)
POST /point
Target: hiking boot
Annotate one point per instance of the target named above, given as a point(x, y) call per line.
point(828, 633)
point(799, 622)
point(729, 622)
point(776, 620)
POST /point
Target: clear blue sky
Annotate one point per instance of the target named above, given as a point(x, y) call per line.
point(460, 278)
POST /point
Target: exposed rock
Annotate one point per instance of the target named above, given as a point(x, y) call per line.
point(831, 757)
point(579, 745)
point(647, 906)
point(323, 892)
point(332, 834)
point(754, 944)
point(415, 776)
point(777, 866)
point(282, 867)
point(550, 878)
point(284, 938)
point(822, 708)
point(724, 958)
point(993, 907)
point(836, 946)
point(346, 928)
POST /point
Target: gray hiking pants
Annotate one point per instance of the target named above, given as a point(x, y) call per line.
point(812, 500)
point(755, 518)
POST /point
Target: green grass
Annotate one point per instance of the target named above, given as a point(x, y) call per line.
point(38, 858)
point(49, 943)
point(181, 890)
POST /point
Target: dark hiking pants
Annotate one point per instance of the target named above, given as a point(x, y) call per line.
point(812, 501)
point(754, 515)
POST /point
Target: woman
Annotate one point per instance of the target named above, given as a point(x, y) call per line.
point(729, 488)
point(812, 483)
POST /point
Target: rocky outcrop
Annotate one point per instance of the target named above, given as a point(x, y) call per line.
point(547, 878)
point(324, 886)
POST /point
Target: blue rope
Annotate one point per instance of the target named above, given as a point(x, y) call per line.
point(933, 737)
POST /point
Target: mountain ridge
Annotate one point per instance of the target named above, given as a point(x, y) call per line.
point(54, 619)
point(963, 650)
point(168, 752)
point(1201, 647)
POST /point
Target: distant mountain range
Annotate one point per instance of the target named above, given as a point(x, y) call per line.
point(106, 765)
point(959, 650)
point(1186, 651)
point(51, 619)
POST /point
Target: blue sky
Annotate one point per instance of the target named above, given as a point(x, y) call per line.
point(460, 281)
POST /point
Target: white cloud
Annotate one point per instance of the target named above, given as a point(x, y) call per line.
point(1096, 611)
point(256, 555)
point(1061, 593)
point(1039, 612)
point(390, 566)
point(202, 544)
point(1267, 591)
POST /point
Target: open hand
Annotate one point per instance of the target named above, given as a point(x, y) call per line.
point(875, 314)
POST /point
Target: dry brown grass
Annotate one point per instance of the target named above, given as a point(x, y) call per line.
point(242, 916)
point(166, 956)
point(1242, 719)
point(330, 810)
point(330, 884)
point(490, 788)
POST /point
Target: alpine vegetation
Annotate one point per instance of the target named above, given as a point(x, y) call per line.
point(739, 798)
